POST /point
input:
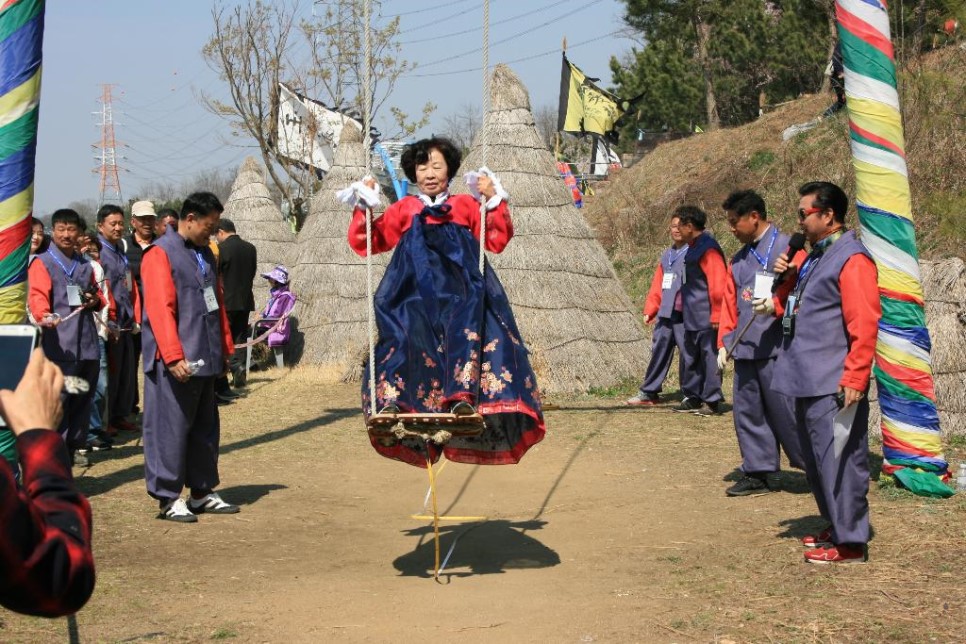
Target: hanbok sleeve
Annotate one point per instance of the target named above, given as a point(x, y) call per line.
point(387, 228)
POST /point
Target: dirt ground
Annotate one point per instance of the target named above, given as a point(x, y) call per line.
point(614, 529)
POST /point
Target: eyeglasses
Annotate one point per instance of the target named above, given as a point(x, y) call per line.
point(803, 214)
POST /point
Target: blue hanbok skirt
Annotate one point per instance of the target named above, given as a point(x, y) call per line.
point(447, 334)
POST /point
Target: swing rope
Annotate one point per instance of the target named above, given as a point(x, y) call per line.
point(484, 133)
point(367, 145)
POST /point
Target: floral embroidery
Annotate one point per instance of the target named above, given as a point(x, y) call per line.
point(400, 383)
point(506, 375)
point(528, 382)
point(389, 353)
point(429, 362)
point(466, 374)
point(489, 382)
point(433, 401)
point(491, 347)
point(472, 336)
point(746, 294)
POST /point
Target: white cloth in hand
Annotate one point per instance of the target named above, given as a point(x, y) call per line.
point(472, 179)
point(763, 306)
point(722, 358)
point(359, 194)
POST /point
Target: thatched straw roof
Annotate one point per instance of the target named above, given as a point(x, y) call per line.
point(944, 288)
point(258, 220)
point(329, 278)
point(573, 313)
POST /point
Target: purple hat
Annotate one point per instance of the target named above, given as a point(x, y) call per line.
point(279, 274)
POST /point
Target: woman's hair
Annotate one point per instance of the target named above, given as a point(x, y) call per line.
point(418, 154)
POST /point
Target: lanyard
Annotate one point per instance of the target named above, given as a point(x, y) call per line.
point(806, 267)
point(675, 256)
point(68, 273)
point(764, 260)
point(121, 255)
point(202, 265)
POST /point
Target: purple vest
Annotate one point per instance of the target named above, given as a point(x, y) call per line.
point(116, 270)
point(812, 361)
point(672, 261)
point(764, 336)
point(198, 330)
point(75, 339)
point(694, 288)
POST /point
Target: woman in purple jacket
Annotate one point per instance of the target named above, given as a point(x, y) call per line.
point(280, 303)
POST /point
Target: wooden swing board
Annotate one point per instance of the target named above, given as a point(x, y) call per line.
point(458, 425)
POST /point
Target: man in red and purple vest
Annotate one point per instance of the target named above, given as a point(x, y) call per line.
point(61, 282)
point(830, 324)
point(186, 345)
point(764, 419)
point(702, 288)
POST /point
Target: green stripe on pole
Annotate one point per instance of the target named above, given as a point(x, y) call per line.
point(17, 135)
point(18, 259)
point(894, 230)
point(902, 314)
point(885, 381)
point(18, 15)
point(869, 142)
point(866, 60)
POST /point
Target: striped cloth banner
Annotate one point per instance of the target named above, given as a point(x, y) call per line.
point(21, 37)
point(907, 398)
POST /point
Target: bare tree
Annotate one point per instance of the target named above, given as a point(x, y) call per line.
point(461, 126)
point(545, 118)
point(255, 46)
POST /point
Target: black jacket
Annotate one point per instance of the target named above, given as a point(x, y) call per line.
point(238, 263)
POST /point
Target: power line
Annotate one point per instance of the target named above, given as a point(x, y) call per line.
point(551, 6)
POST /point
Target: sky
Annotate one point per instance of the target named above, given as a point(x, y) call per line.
point(150, 51)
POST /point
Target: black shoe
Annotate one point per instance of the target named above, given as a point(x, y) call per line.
point(100, 445)
point(230, 395)
point(749, 486)
point(223, 400)
point(238, 376)
point(688, 404)
point(462, 408)
point(774, 481)
point(391, 410)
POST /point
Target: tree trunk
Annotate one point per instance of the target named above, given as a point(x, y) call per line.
point(703, 32)
point(833, 38)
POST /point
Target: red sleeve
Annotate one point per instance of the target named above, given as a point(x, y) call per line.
point(861, 310)
point(785, 288)
point(712, 263)
point(652, 303)
point(112, 308)
point(227, 342)
point(136, 300)
point(45, 532)
point(162, 306)
point(387, 228)
point(729, 308)
point(499, 227)
point(38, 297)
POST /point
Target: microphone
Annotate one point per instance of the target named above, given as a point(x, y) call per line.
point(795, 244)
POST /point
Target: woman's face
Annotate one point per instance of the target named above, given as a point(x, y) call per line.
point(432, 177)
point(36, 237)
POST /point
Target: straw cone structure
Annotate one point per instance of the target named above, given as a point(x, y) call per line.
point(573, 313)
point(944, 288)
point(259, 221)
point(329, 278)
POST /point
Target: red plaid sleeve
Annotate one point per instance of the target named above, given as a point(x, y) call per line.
point(45, 532)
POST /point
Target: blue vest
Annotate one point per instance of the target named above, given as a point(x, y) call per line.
point(198, 330)
point(764, 337)
point(694, 290)
point(812, 361)
point(116, 270)
point(672, 261)
point(75, 339)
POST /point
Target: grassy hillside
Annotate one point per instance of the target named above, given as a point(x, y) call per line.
point(630, 211)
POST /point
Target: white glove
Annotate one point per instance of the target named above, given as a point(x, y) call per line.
point(763, 306)
point(647, 318)
point(722, 359)
point(359, 194)
point(472, 178)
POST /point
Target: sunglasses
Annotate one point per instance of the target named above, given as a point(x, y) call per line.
point(803, 214)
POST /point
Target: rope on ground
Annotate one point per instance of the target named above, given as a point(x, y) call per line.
point(432, 488)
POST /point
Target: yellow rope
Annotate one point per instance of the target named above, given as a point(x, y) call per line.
point(426, 517)
point(432, 488)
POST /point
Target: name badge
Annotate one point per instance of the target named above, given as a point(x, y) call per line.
point(73, 295)
point(211, 301)
point(127, 279)
point(668, 281)
point(763, 285)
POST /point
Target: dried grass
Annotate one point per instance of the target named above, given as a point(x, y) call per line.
point(259, 220)
point(329, 277)
point(574, 315)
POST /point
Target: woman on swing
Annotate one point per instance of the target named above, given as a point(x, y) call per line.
point(441, 322)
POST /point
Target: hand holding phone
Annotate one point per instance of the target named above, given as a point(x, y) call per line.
point(35, 403)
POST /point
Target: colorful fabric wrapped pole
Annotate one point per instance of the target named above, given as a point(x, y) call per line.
point(21, 36)
point(911, 442)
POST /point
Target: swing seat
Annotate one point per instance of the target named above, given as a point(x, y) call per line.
point(381, 425)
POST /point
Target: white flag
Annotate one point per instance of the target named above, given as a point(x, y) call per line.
point(308, 132)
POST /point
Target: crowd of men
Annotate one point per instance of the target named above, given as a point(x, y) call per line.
point(801, 330)
point(106, 301)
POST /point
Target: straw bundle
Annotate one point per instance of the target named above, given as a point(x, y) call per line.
point(944, 288)
point(329, 278)
point(259, 221)
point(573, 313)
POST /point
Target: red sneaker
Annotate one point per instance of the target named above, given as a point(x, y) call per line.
point(125, 426)
point(837, 554)
point(643, 400)
point(823, 538)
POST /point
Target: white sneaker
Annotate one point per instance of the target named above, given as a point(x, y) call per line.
point(212, 503)
point(178, 511)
